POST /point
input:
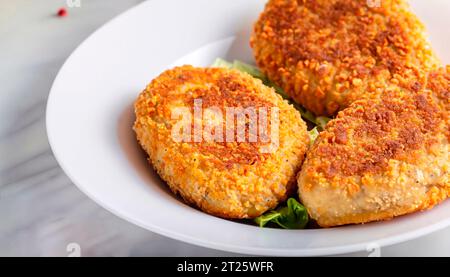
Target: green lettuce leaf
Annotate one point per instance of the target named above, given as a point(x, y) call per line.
point(313, 134)
point(294, 216)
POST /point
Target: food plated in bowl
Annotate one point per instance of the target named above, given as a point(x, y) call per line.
point(384, 155)
point(90, 128)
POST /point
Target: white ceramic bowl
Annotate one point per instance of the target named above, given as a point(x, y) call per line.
point(89, 119)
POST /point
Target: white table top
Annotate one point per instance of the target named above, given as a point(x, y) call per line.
point(41, 211)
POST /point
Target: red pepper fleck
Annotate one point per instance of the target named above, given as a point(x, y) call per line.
point(62, 12)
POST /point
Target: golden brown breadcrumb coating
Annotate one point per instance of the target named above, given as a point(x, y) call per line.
point(227, 179)
point(328, 53)
point(385, 155)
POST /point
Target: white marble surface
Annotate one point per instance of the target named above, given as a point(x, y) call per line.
point(41, 211)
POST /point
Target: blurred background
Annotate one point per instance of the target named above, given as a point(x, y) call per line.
point(41, 212)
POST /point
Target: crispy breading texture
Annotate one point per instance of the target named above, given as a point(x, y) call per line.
point(384, 156)
point(226, 179)
point(327, 54)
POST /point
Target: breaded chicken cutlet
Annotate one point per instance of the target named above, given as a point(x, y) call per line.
point(327, 54)
point(228, 179)
point(383, 156)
